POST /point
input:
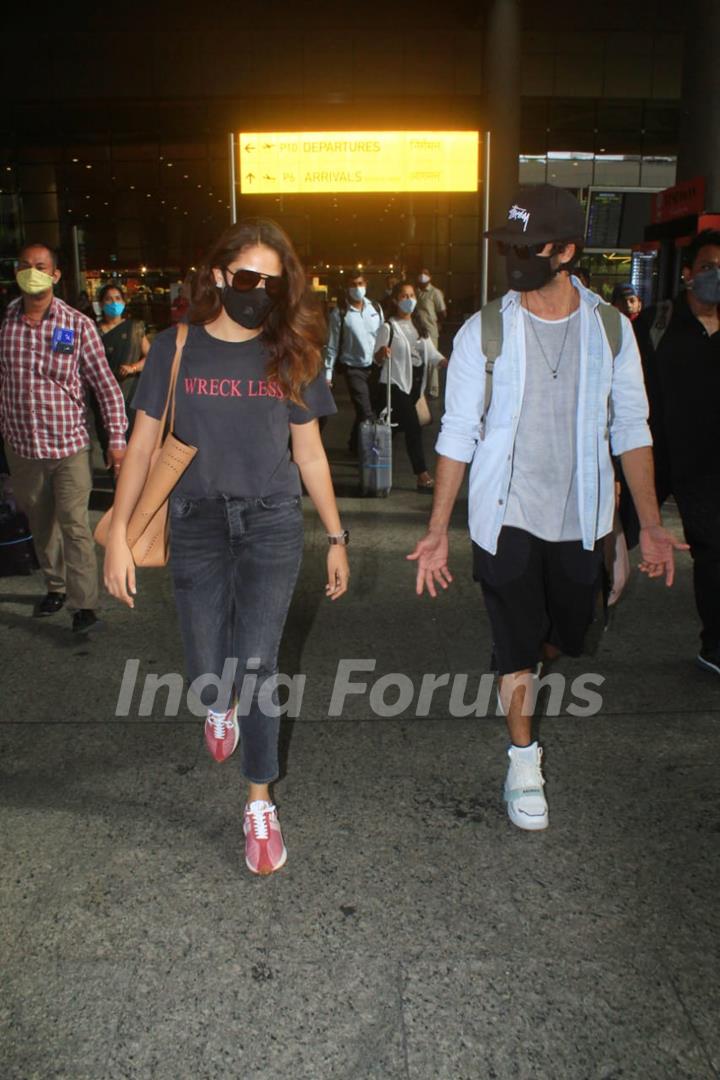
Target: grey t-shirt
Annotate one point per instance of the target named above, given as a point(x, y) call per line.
point(227, 407)
point(543, 497)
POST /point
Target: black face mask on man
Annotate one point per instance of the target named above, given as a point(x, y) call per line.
point(527, 271)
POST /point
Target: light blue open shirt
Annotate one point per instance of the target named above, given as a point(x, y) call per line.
point(358, 337)
point(611, 414)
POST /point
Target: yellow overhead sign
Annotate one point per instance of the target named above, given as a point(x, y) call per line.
point(304, 162)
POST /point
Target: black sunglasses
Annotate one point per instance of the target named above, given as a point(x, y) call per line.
point(523, 251)
point(245, 280)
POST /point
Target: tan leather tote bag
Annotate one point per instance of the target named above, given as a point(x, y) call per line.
point(148, 531)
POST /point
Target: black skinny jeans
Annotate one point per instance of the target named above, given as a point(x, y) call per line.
point(234, 565)
point(405, 414)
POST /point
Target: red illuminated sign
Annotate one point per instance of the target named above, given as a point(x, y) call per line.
point(679, 201)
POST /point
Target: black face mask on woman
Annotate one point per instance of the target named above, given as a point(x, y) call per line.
point(250, 309)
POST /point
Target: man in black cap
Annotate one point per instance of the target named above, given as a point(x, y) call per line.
point(543, 385)
point(627, 301)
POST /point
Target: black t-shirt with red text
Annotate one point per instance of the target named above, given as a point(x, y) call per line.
point(227, 407)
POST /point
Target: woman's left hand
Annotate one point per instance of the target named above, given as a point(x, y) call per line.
point(126, 369)
point(338, 571)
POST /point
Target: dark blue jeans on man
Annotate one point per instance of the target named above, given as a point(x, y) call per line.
point(234, 565)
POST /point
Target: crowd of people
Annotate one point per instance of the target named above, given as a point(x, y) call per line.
point(546, 400)
point(394, 344)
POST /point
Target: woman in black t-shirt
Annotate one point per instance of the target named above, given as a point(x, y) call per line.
point(250, 383)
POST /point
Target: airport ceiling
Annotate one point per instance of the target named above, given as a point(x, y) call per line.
point(73, 71)
point(377, 15)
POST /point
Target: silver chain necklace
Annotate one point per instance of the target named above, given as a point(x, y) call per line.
point(553, 370)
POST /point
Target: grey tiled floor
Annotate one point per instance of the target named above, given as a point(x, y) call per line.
point(414, 932)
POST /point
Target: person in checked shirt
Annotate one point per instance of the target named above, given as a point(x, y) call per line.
point(49, 355)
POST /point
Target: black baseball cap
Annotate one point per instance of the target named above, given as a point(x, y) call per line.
point(540, 213)
point(622, 292)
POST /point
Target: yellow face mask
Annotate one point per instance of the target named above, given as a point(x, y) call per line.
point(34, 281)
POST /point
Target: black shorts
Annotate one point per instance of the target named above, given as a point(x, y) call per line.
point(536, 591)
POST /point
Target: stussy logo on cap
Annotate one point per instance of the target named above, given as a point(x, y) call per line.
point(517, 213)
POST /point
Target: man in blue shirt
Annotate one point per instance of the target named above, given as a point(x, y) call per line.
point(351, 347)
point(542, 490)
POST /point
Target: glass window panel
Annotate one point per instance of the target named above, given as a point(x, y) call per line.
point(617, 171)
point(464, 257)
point(619, 142)
point(662, 119)
point(620, 116)
point(463, 203)
point(658, 172)
point(140, 174)
point(183, 151)
point(40, 207)
point(532, 170)
point(462, 290)
point(464, 229)
point(36, 177)
point(37, 153)
point(578, 115)
point(86, 152)
point(80, 179)
point(47, 232)
point(570, 172)
point(147, 151)
point(569, 141)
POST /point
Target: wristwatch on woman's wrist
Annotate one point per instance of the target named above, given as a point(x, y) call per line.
point(339, 538)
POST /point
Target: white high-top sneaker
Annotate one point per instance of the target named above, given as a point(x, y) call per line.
point(526, 804)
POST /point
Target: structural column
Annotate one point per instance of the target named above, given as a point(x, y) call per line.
point(501, 100)
point(699, 152)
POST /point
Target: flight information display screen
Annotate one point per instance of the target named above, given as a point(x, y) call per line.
point(617, 219)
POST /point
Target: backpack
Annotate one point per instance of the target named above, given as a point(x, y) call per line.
point(491, 333)
point(343, 313)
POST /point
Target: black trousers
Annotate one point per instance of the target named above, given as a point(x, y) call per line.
point(359, 382)
point(699, 505)
point(404, 413)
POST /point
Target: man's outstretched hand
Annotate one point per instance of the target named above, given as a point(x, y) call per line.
point(431, 555)
point(656, 547)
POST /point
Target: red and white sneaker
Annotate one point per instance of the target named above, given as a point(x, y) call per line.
point(222, 733)
point(264, 848)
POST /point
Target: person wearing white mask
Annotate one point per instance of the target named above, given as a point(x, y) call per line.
point(431, 306)
point(405, 342)
point(353, 327)
point(431, 311)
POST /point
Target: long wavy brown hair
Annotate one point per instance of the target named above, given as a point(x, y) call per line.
point(294, 331)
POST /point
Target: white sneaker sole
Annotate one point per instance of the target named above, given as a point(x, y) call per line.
point(528, 822)
point(706, 665)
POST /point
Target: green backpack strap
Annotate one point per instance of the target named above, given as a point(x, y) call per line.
point(491, 339)
point(610, 318)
